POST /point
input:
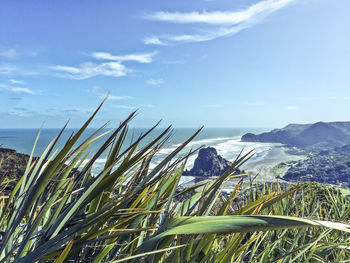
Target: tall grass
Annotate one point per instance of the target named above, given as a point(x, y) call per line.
point(59, 212)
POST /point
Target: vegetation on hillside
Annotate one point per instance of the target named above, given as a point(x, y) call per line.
point(131, 213)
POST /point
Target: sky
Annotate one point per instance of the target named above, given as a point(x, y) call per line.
point(217, 63)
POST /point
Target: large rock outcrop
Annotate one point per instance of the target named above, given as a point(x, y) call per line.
point(208, 163)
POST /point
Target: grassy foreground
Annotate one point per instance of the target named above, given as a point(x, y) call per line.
point(59, 212)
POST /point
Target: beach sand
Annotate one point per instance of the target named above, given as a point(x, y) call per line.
point(264, 167)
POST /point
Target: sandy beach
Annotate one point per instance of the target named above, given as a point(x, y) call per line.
point(264, 167)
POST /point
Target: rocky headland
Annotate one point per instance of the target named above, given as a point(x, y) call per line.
point(310, 137)
point(12, 165)
point(327, 145)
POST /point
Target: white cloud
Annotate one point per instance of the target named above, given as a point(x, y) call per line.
point(153, 41)
point(102, 93)
point(130, 107)
point(114, 68)
point(291, 108)
point(225, 23)
point(9, 53)
point(113, 97)
point(88, 69)
point(15, 81)
point(77, 110)
point(18, 90)
point(222, 18)
point(155, 82)
point(209, 35)
point(141, 58)
point(124, 107)
point(7, 69)
point(21, 90)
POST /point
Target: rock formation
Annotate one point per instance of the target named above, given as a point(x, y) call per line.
point(208, 163)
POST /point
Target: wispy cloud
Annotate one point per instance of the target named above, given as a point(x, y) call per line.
point(9, 53)
point(141, 57)
point(126, 107)
point(12, 53)
point(103, 92)
point(222, 18)
point(225, 23)
point(21, 112)
point(8, 69)
point(21, 90)
point(153, 41)
point(89, 69)
point(131, 107)
point(15, 81)
point(155, 82)
point(113, 97)
point(77, 110)
point(18, 90)
point(112, 66)
point(291, 108)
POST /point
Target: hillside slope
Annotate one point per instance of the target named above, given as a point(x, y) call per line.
point(320, 134)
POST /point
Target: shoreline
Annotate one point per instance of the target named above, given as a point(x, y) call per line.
point(264, 168)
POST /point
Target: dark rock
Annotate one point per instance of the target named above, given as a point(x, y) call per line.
point(13, 166)
point(12, 163)
point(208, 163)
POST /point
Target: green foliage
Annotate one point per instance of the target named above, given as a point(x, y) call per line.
point(308, 200)
point(59, 212)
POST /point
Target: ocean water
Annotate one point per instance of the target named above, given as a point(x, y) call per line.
point(226, 141)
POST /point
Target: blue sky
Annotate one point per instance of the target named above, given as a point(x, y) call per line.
point(217, 63)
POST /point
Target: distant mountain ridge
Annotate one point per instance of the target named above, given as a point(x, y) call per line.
point(307, 136)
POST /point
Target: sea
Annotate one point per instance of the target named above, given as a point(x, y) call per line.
point(227, 142)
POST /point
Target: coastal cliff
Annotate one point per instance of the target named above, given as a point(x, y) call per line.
point(12, 163)
point(319, 135)
point(327, 145)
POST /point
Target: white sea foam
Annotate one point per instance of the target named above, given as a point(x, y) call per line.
point(210, 141)
point(228, 147)
point(231, 149)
